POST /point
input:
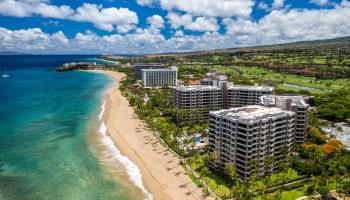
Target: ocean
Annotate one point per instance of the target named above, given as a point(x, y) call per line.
point(52, 138)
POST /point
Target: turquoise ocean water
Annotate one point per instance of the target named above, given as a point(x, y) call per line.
point(48, 127)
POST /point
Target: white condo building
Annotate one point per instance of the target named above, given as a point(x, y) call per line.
point(138, 67)
point(296, 104)
point(227, 97)
point(159, 77)
point(193, 103)
point(239, 95)
point(252, 133)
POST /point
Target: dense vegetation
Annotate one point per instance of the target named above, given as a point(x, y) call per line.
point(320, 70)
point(333, 106)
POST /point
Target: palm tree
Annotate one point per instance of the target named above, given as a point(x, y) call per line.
point(230, 170)
point(313, 119)
point(310, 191)
point(205, 171)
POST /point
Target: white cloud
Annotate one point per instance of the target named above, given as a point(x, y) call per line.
point(279, 26)
point(186, 21)
point(292, 25)
point(178, 33)
point(320, 2)
point(146, 2)
point(263, 6)
point(27, 8)
point(107, 19)
point(211, 8)
point(121, 19)
point(156, 22)
point(32, 39)
point(278, 4)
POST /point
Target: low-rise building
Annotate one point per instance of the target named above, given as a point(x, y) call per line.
point(296, 104)
point(138, 67)
point(159, 77)
point(253, 138)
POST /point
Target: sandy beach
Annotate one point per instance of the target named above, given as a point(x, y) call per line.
point(161, 171)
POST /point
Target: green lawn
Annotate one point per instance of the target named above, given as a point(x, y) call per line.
point(292, 175)
point(294, 79)
point(297, 90)
point(216, 183)
point(293, 194)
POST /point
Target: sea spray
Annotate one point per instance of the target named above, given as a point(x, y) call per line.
point(132, 170)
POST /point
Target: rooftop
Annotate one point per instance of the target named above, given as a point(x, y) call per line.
point(251, 113)
point(148, 64)
point(272, 100)
point(173, 68)
point(196, 88)
point(253, 88)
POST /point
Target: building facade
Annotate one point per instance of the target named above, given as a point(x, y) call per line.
point(214, 78)
point(193, 103)
point(251, 134)
point(159, 77)
point(231, 96)
point(138, 67)
point(296, 104)
point(239, 95)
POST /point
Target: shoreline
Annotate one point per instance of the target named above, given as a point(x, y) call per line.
point(161, 172)
point(107, 61)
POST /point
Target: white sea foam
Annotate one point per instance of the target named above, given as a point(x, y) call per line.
point(132, 170)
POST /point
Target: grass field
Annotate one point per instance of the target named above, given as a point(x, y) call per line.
point(281, 79)
point(255, 73)
point(293, 194)
point(311, 82)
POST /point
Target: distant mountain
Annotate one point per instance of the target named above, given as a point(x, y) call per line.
point(342, 42)
point(12, 53)
point(327, 45)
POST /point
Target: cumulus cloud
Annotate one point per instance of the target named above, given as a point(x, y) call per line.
point(156, 22)
point(263, 6)
point(278, 4)
point(146, 2)
point(109, 19)
point(178, 33)
point(292, 25)
point(27, 8)
point(217, 8)
point(186, 21)
point(279, 26)
point(32, 39)
point(320, 2)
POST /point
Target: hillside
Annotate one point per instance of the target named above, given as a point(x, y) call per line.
point(323, 46)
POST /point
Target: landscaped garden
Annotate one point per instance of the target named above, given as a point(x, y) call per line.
point(322, 162)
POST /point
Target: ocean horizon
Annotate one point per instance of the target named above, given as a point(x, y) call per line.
point(52, 140)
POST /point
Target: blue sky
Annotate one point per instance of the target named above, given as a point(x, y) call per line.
point(154, 26)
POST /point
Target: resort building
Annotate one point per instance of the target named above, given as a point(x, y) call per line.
point(159, 77)
point(230, 96)
point(239, 95)
point(249, 137)
point(296, 104)
point(140, 66)
point(193, 103)
point(214, 78)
